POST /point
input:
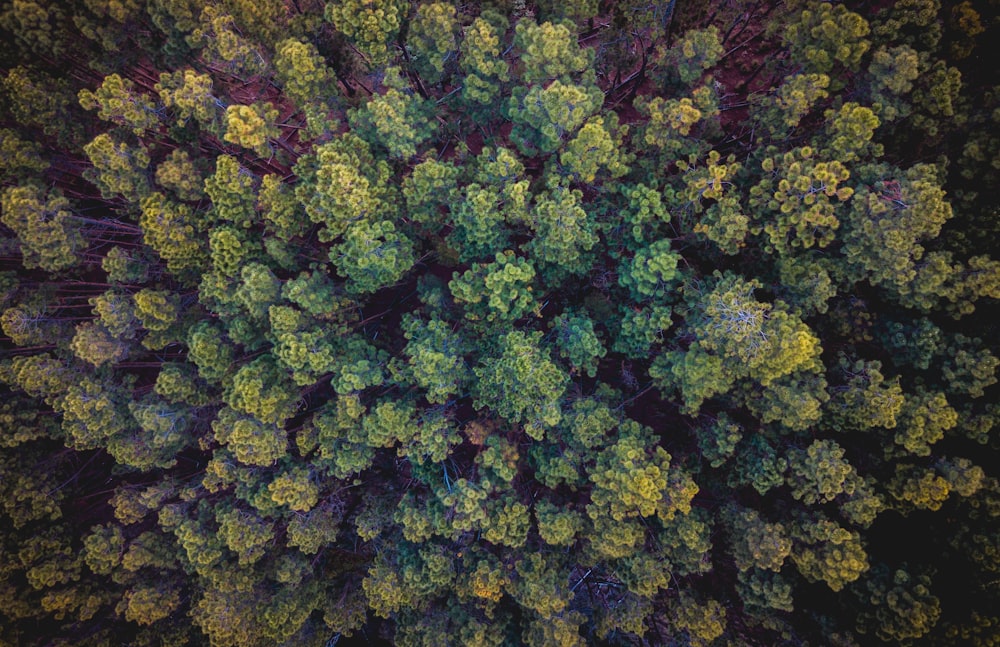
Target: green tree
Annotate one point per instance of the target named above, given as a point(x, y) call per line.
point(118, 169)
point(20, 158)
point(252, 127)
point(508, 283)
point(372, 255)
point(308, 81)
point(522, 384)
point(695, 52)
point(548, 51)
point(824, 551)
point(563, 233)
point(252, 441)
point(190, 95)
point(698, 375)
point(596, 149)
point(48, 233)
point(899, 607)
point(342, 183)
point(822, 36)
point(93, 343)
point(795, 98)
point(649, 273)
point(396, 119)
point(430, 186)
point(432, 37)
point(578, 342)
point(796, 203)
point(545, 115)
point(484, 67)
point(231, 189)
point(173, 231)
point(371, 26)
point(179, 174)
point(703, 623)
point(633, 478)
point(118, 101)
point(435, 359)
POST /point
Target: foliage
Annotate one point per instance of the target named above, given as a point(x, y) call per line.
point(371, 26)
point(395, 119)
point(522, 384)
point(48, 235)
point(542, 323)
point(544, 115)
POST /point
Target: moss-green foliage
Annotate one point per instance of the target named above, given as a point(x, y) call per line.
point(516, 323)
point(545, 115)
point(372, 27)
point(396, 119)
point(522, 384)
point(47, 235)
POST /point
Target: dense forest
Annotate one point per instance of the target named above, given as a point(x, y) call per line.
point(521, 322)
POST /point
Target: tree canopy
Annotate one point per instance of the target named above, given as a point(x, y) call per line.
point(343, 322)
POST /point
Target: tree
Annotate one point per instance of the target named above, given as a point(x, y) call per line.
point(179, 174)
point(649, 273)
point(769, 343)
point(698, 375)
point(824, 551)
point(251, 441)
point(633, 478)
point(756, 544)
point(118, 102)
point(93, 343)
point(371, 26)
point(563, 233)
point(430, 186)
point(49, 235)
point(818, 473)
point(822, 36)
point(795, 204)
point(210, 351)
point(522, 384)
point(849, 132)
point(578, 342)
point(342, 183)
point(507, 281)
point(548, 51)
point(436, 359)
point(252, 126)
point(396, 119)
point(20, 158)
point(702, 622)
point(189, 94)
point(795, 98)
point(695, 52)
point(308, 81)
point(480, 229)
point(372, 256)
point(432, 37)
point(544, 115)
point(671, 121)
point(596, 149)
point(38, 101)
point(925, 416)
point(118, 169)
point(867, 400)
point(231, 189)
point(899, 607)
point(173, 232)
point(223, 46)
point(893, 71)
point(485, 70)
